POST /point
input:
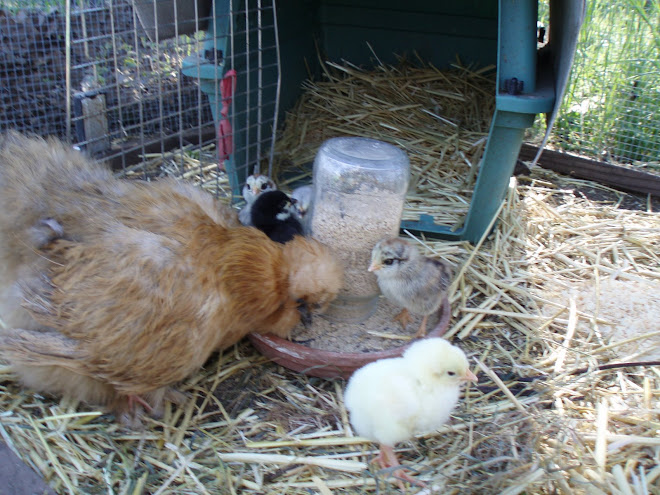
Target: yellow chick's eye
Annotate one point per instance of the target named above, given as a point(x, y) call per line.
point(451, 373)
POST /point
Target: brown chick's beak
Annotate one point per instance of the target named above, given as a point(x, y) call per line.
point(470, 377)
point(305, 313)
point(374, 267)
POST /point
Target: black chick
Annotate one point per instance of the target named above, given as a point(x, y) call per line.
point(272, 213)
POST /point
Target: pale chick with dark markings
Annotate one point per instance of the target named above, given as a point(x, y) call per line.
point(255, 185)
point(411, 280)
point(392, 400)
point(113, 291)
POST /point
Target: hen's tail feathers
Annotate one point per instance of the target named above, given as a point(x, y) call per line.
point(38, 348)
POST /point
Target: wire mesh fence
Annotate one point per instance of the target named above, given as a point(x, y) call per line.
point(611, 110)
point(129, 79)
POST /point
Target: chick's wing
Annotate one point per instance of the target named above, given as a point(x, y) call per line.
point(382, 400)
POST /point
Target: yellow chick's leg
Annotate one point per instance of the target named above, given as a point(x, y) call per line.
point(422, 328)
point(387, 459)
point(403, 318)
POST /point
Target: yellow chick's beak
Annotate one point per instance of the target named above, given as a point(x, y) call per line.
point(375, 266)
point(470, 377)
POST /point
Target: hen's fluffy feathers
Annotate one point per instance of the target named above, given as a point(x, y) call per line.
point(116, 288)
point(314, 275)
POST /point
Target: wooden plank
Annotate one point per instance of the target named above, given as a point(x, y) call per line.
point(95, 123)
point(624, 178)
point(129, 153)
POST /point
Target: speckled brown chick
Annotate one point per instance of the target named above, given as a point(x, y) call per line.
point(409, 279)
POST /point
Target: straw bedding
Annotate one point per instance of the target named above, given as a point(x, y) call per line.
point(560, 407)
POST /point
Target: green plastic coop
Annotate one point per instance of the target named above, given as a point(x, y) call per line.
point(479, 32)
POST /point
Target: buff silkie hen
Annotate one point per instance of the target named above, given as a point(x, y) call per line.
point(409, 279)
point(114, 291)
point(392, 400)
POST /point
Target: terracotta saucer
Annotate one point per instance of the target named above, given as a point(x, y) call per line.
point(329, 364)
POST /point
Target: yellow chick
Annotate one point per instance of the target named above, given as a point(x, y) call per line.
point(392, 400)
point(409, 279)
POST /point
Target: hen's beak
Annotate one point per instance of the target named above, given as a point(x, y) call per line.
point(305, 313)
point(470, 377)
point(375, 266)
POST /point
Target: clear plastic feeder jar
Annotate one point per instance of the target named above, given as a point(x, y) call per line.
point(360, 186)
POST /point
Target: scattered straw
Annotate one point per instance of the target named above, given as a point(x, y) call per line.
point(196, 165)
point(338, 465)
